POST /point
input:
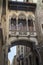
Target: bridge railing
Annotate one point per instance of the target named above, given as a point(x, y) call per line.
point(22, 33)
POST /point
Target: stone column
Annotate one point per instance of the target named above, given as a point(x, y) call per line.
point(28, 61)
point(24, 61)
point(37, 22)
point(1, 42)
point(20, 62)
point(34, 60)
point(3, 55)
point(0, 53)
point(6, 55)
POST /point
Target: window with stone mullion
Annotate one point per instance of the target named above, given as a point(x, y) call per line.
point(30, 25)
point(13, 24)
point(22, 25)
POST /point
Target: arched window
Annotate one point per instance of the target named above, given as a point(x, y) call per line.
point(13, 26)
point(31, 23)
point(22, 25)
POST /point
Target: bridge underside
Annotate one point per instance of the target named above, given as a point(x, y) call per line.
point(28, 44)
point(23, 42)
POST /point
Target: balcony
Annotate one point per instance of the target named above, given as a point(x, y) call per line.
point(23, 6)
point(23, 28)
point(22, 34)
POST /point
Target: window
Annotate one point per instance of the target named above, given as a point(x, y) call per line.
point(13, 24)
point(22, 24)
point(26, 49)
point(22, 49)
point(27, 0)
point(42, 26)
point(30, 25)
point(4, 7)
point(18, 52)
point(18, 46)
point(22, 28)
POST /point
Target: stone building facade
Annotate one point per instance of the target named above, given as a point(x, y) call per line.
point(21, 50)
point(8, 62)
point(22, 56)
point(33, 32)
point(14, 62)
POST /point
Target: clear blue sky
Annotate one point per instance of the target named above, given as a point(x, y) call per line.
point(12, 53)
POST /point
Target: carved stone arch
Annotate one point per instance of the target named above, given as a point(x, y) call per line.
point(22, 24)
point(13, 16)
point(31, 16)
point(22, 15)
point(29, 43)
point(31, 19)
point(23, 42)
point(24, 38)
point(12, 22)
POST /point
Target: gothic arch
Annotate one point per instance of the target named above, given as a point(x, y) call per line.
point(30, 44)
point(31, 16)
point(13, 16)
point(22, 42)
point(22, 24)
point(32, 40)
point(22, 15)
point(12, 22)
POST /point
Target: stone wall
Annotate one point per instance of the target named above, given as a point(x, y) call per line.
point(40, 19)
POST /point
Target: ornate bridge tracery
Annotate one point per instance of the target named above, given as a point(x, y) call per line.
point(10, 37)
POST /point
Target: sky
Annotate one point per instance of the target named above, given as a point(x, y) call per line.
point(22, 0)
point(12, 53)
point(35, 0)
